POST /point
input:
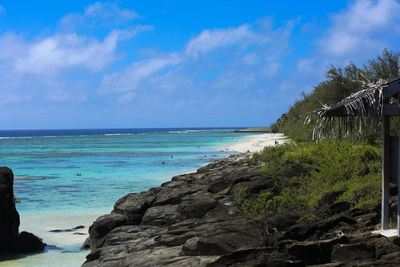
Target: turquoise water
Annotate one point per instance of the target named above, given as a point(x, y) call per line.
point(66, 178)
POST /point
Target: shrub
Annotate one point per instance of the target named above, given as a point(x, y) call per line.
point(306, 171)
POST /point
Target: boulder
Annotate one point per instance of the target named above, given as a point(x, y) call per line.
point(9, 221)
point(134, 205)
point(102, 226)
point(28, 242)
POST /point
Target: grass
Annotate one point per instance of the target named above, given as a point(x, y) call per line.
point(306, 171)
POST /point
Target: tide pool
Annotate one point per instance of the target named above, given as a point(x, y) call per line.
point(67, 178)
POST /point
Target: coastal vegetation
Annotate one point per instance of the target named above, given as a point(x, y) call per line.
point(308, 170)
point(339, 83)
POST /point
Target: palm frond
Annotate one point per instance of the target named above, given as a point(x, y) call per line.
point(354, 113)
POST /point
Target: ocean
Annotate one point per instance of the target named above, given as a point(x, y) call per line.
point(67, 178)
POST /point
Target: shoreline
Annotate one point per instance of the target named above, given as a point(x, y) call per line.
point(193, 220)
point(255, 143)
point(71, 241)
point(185, 199)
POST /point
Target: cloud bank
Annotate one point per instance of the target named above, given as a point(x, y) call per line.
point(249, 72)
point(361, 28)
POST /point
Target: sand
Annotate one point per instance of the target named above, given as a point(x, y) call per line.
point(255, 143)
point(64, 248)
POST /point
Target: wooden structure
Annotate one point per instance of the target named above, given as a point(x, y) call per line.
point(374, 104)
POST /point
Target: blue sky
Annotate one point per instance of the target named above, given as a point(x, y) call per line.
point(134, 64)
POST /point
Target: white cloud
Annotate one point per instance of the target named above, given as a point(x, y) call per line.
point(58, 52)
point(99, 14)
point(108, 10)
point(355, 29)
point(212, 39)
point(131, 77)
point(253, 48)
point(61, 67)
point(11, 46)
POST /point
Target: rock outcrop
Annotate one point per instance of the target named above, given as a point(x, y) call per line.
point(9, 221)
point(10, 239)
point(193, 221)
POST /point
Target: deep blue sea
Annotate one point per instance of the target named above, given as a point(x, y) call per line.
point(66, 178)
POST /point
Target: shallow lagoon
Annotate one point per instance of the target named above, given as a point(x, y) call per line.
point(69, 178)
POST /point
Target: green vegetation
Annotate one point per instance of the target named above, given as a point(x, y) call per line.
point(306, 171)
point(17, 200)
point(339, 84)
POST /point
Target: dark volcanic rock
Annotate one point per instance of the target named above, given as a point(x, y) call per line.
point(86, 243)
point(353, 252)
point(218, 186)
point(315, 252)
point(134, 205)
point(10, 240)
point(257, 257)
point(304, 231)
point(196, 208)
point(28, 242)
point(9, 217)
point(202, 246)
point(161, 215)
point(282, 220)
point(102, 226)
point(193, 221)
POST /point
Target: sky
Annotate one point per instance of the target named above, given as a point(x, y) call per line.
point(153, 64)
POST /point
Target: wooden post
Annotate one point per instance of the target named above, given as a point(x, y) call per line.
point(385, 171)
point(398, 188)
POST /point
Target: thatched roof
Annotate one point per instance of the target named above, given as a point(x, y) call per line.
point(352, 112)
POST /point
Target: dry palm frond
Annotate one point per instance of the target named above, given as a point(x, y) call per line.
point(351, 113)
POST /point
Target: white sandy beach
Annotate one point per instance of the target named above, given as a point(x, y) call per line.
point(256, 143)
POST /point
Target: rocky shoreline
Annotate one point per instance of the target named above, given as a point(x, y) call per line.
point(193, 221)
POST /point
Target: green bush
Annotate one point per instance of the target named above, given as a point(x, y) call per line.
point(306, 171)
point(17, 200)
